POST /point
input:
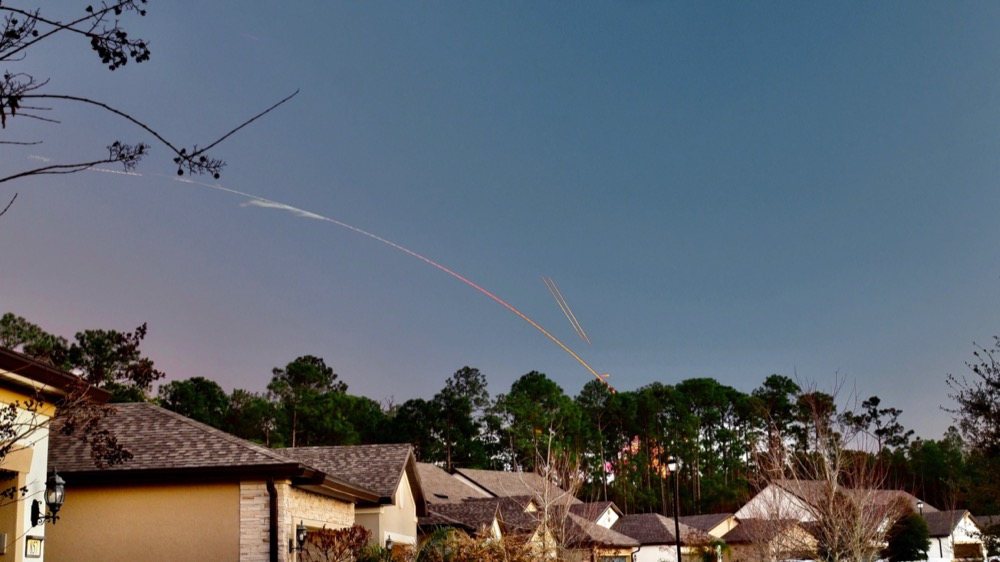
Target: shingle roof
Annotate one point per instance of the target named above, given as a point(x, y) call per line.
point(161, 439)
point(376, 467)
point(583, 532)
point(942, 523)
point(591, 511)
point(653, 528)
point(441, 487)
point(705, 522)
point(985, 521)
point(167, 445)
point(750, 530)
point(816, 491)
point(471, 516)
point(500, 483)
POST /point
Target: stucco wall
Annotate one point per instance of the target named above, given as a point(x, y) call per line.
point(398, 521)
point(29, 464)
point(150, 523)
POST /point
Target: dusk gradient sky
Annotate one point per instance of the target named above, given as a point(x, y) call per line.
point(719, 189)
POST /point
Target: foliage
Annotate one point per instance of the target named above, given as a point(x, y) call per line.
point(197, 398)
point(448, 545)
point(335, 545)
point(909, 539)
point(251, 416)
point(978, 410)
point(112, 359)
point(107, 359)
point(990, 536)
point(535, 407)
point(307, 390)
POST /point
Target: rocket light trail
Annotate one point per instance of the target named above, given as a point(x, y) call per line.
point(257, 201)
point(550, 284)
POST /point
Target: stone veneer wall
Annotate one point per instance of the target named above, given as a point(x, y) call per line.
point(294, 505)
point(255, 516)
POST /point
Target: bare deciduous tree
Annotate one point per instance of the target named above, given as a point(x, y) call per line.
point(833, 490)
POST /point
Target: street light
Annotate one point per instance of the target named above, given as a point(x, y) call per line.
point(672, 465)
point(55, 496)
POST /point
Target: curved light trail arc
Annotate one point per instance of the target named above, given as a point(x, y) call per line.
point(271, 204)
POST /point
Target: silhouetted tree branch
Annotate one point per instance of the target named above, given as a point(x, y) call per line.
point(21, 29)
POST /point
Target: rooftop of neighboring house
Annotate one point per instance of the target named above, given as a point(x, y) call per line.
point(168, 446)
point(705, 522)
point(751, 530)
point(943, 523)
point(502, 483)
point(581, 532)
point(441, 487)
point(653, 528)
point(521, 516)
point(985, 521)
point(376, 467)
point(815, 491)
point(591, 511)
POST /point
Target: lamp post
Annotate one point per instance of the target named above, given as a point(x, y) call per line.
point(55, 496)
point(920, 506)
point(388, 544)
point(672, 465)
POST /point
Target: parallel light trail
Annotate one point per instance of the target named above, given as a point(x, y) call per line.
point(271, 204)
point(550, 284)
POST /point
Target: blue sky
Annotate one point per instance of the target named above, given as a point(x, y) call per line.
point(719, 189)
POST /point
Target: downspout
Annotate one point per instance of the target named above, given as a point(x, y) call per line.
point(272, 493)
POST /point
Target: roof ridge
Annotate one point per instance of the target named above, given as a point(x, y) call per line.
point(261, 449)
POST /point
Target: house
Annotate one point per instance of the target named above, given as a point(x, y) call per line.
point(655, 534)
point(388, 470)
point(954, 536)
point(513, 504)
point(803, 500)
point(764, 540)
point(29, 389)
point(190, 492)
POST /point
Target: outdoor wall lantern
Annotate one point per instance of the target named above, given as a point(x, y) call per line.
point(300, 538)
point(55, 495)
point(388, 544)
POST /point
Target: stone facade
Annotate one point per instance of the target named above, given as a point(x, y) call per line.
point(294, 505)
point(255, 518)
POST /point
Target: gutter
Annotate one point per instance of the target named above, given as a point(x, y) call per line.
point(272, 494)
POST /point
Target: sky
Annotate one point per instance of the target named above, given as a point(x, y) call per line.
point(718, 189)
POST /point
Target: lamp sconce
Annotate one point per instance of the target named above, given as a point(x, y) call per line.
point(300, 538)
point(55, 496)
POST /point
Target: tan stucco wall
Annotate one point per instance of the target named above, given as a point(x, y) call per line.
point(29, 464)
point(398, 521)
point(150, 523)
